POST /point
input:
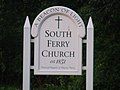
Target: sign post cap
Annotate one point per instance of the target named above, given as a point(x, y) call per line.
point(90, 23)
point(27, 23)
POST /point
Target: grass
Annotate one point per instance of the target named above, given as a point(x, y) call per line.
point(41, 88)
point(8, 88)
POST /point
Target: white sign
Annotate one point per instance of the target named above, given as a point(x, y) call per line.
point(58, 33)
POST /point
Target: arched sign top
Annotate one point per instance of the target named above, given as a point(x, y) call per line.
point(58, 11)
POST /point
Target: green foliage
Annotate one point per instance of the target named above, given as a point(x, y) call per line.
point(106, 19)
point(106, 16)
point(8, 88)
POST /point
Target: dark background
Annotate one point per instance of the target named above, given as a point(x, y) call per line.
point(106, 19)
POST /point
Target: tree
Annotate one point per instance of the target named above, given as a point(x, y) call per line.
point(106, 18)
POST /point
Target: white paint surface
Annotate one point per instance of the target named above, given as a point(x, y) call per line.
point(26, 55)
point(90, 42)
point(70, 22)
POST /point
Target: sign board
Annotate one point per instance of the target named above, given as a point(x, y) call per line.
point(58, 37)
point(58, 33)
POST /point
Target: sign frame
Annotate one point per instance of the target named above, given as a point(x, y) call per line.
point(27, 40)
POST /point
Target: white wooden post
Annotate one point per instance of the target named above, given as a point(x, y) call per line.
point(90, 41)
point(26, 55)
